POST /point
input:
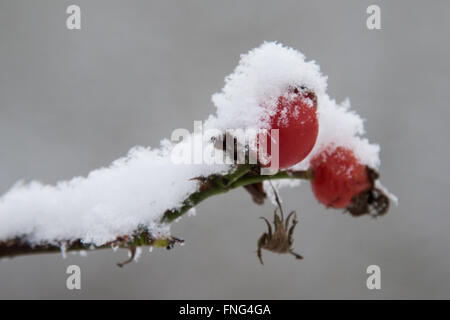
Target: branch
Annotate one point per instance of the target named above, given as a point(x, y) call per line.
point(213, 185)
point(243, 176)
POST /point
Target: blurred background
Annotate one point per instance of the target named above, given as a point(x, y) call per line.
point(73, 101)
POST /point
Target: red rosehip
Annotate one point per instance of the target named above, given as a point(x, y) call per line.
point(296, 119)
point(339, 178)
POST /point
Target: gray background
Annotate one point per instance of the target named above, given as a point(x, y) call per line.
point(72, 101)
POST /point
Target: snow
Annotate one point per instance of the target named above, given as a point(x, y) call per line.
point(261, 77)
point(392, 197)
point(109, 202)
point(340, 126)
point(138, 188)
point(138, 254)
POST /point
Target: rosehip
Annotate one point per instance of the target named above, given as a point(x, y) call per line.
point(296, 119)
point(338, 177)
point(341, 181)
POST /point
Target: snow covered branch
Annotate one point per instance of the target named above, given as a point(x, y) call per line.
point(243, 175)
point(132, 202)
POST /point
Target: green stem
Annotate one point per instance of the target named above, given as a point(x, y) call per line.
point(240, 171)
point(242, 176)
point(306, 175)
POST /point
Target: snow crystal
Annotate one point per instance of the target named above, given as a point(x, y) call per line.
point(83, 253)
point(192, 212)
point(137, 254)
point(137, 189)
point(63, 248)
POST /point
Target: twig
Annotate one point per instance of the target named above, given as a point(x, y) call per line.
point(216, 185)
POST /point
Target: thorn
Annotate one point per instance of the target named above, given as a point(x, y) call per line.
point(132, 254)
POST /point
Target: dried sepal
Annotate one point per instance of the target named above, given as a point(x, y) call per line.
point(280, 238)
point(372, 201)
